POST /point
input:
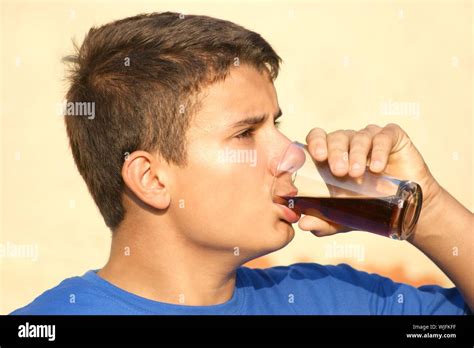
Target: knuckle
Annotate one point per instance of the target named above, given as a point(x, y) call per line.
point(319, 142)
point(397, 130)
point(382, 139)
point(392, 125)
point(338, 145)
point(362, 136)
point(331, 134)
point(359, 151)
point(339, 132)
point(372, 127)
point(378, 150)
point(334, 152)
point(338, 135)
point(350, 132)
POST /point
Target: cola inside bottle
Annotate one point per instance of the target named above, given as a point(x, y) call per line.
point(380, 215)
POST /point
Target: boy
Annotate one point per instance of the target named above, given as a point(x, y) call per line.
point(172, 95)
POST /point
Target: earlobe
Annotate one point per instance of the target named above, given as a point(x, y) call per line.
point(140, 172)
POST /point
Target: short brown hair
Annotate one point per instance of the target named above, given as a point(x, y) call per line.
point(141, 73)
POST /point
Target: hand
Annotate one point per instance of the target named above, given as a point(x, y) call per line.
point(386, 150)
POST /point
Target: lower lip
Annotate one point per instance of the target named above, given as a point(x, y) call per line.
point(289, 214)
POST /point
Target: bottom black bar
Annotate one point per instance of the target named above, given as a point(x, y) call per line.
point(139, 330)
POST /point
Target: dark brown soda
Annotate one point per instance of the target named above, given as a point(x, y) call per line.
point(379, 215)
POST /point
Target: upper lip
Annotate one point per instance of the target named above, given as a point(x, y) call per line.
point(280, 200)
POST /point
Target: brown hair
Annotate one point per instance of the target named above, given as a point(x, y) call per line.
point(141, 73)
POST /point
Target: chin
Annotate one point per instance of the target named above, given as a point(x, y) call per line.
point(287, 232)
point(279, 237)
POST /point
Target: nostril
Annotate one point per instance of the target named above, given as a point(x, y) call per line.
point(293, 193)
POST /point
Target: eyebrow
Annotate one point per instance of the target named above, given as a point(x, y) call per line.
point(256, 120)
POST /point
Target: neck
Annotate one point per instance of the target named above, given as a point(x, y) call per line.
point(164, 267)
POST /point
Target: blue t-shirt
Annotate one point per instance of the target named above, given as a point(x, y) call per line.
point(304, 288)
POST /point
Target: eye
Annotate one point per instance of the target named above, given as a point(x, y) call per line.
point(248, 133)
point(245, 134)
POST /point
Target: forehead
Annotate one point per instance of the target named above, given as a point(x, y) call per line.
point(244, 92)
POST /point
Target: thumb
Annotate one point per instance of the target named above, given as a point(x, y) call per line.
point(320, 227)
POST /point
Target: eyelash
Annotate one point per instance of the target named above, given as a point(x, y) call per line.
point(248, 133)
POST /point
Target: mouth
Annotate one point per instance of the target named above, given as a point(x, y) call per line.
point(286, 213)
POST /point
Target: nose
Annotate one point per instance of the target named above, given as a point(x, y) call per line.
point(279, 146)
point(289, 160)
point(283, 168)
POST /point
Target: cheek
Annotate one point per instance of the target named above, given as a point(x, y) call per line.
point(228, 205)
point(217, 192)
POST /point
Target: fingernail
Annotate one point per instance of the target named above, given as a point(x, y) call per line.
point(320, 152)
point(356, 166)
point(340, 165)
point(377, 165)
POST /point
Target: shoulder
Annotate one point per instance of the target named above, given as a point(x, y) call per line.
point(341, 289)
point(71, 296)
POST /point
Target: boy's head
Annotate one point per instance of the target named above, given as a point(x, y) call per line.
point(168, 146)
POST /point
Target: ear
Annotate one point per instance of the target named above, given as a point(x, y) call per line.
point(140, 172)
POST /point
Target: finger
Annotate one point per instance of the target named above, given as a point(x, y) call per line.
point(397, 134)
point(338, 156)
point(372, 129)
point(316, 140)
point(382, 145)
point(320, 227)
point(359, 149)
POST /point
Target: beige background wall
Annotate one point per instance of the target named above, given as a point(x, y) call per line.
point(343, 62)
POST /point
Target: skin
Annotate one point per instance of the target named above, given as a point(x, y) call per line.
point(192, 227)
